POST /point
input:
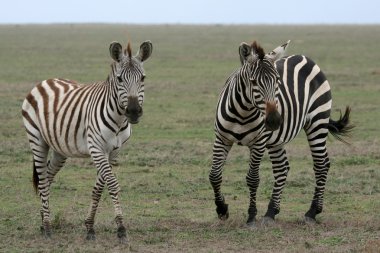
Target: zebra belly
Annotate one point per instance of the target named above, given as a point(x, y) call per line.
point(245, 135)
point(281, 137)
point(70, 145)
point(80, 147)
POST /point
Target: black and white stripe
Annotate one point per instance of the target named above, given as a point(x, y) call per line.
point(264, 105)
point(95, 120)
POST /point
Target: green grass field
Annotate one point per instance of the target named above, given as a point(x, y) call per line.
point(166, 197)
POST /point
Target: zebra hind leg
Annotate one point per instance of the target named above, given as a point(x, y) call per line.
point(41, 185)
point(280, 167)
point(220, 152)
point(54, 165)
point(321, 167)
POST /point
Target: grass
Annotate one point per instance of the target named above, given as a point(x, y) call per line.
point(166, 197)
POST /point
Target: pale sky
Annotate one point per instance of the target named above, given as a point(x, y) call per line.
point(191, 11)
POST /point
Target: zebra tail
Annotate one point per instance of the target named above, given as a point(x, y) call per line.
point(342, 127)
point(35, 178)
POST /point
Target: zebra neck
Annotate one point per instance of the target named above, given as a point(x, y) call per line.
point(242, 95)
point(113, 108)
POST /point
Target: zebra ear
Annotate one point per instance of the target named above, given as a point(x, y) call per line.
point(146, 49)
point(116, 51)
point(245, 51)
point(278, 52)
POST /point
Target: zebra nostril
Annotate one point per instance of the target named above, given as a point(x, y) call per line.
point(137, 110)
point(273, 121)
point(133, 110)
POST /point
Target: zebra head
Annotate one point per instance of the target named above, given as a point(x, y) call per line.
point(128, 74)
point(263, 79)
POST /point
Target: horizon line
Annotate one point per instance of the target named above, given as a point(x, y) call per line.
point(196, 24)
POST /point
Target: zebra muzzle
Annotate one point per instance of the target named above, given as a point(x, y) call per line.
point(273, 119)
point(133, 111)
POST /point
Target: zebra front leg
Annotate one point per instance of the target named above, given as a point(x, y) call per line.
point(253, 180)
point(106, 174)
point(96, 194)
point(220, 152)
point(280, 166)
point(113, 157)
point(114, 190)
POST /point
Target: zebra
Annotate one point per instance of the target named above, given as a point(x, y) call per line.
point(75, 120)
point(264, 105)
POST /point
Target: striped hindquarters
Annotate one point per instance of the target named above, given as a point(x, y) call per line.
point(304, 99)
point(56, 110)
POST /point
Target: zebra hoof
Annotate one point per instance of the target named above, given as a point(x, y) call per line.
point(309, 221)
point(123, 240)
point(47, 235)
point(91, 235)
point(122, 235)
point(222, 211)
point(45, 232)
point(267, 221)
point(252, 225)
point(224, 216)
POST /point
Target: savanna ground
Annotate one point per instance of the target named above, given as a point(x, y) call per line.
point(166, 197)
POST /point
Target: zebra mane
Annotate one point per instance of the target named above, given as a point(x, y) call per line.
point(258, 50)
point(128, 50)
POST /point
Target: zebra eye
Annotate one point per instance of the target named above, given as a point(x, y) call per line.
point(142, 78)
point(119, 79)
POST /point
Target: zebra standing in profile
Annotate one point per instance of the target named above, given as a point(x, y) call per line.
point(79, 121)
point(264, 105)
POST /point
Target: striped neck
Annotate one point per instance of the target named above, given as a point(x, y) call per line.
point(113, 101)
point(242, 91)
